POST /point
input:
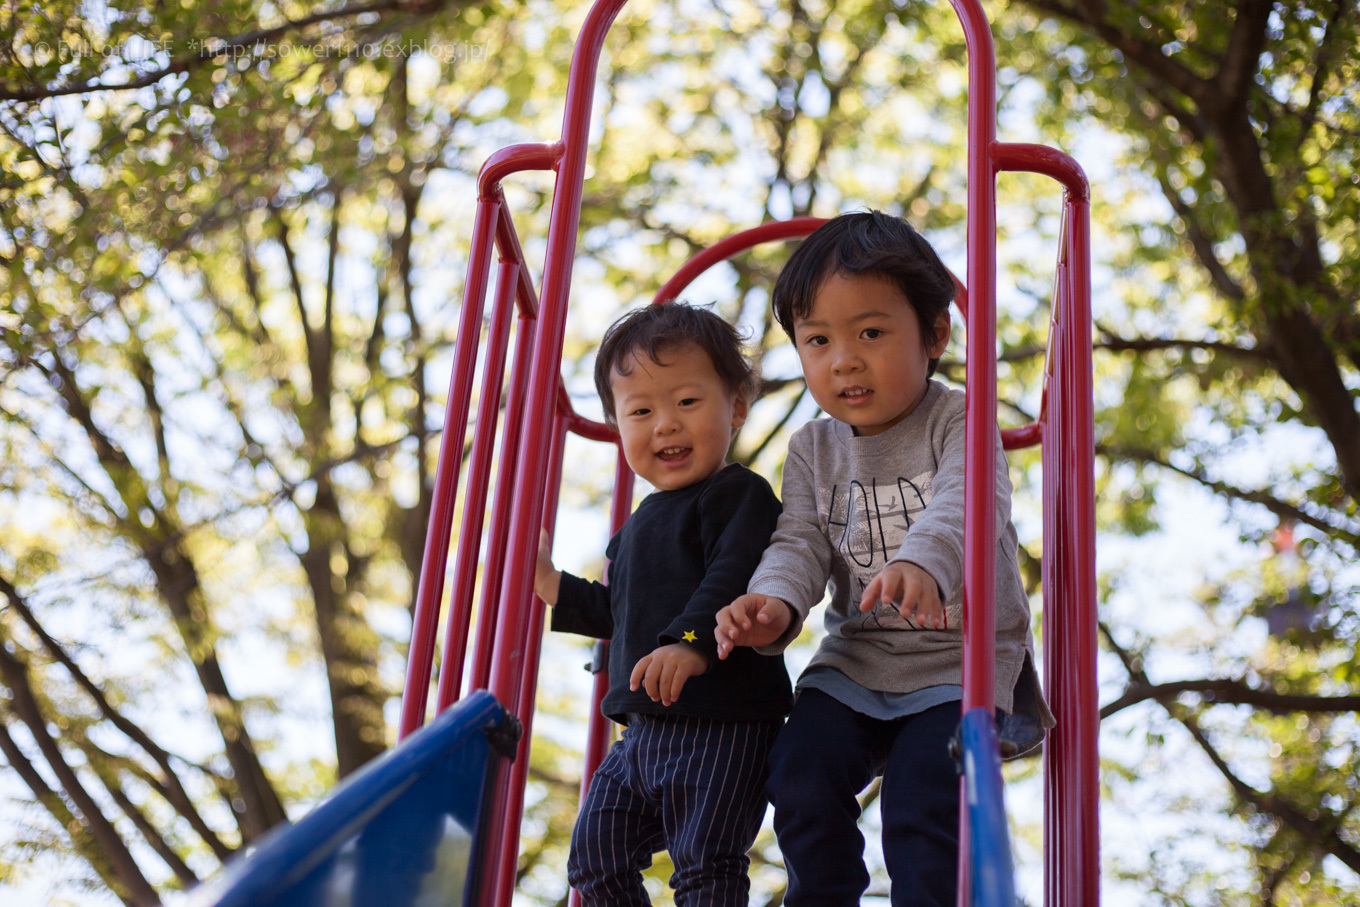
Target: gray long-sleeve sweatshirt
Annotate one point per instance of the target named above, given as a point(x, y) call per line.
point(852, 505)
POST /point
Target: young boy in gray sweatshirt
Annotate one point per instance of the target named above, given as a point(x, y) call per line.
point(873, 503)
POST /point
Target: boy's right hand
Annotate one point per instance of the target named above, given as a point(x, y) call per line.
point(547, 579)
point(752, 620)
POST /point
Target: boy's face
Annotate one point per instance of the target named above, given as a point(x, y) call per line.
point(675, 417)
point(862, 352)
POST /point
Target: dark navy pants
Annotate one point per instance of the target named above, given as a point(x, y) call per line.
point(825, 755)
point(691, 786)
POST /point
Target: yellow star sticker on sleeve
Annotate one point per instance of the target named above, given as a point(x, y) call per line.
point(689, 636)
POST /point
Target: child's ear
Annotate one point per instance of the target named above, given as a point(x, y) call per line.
point(739, 410)
point(938, 343)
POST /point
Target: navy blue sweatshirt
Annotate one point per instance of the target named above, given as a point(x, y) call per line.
point(682, 556)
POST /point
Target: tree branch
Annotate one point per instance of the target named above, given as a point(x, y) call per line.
point(1229, 692)
point(1146, 54)
point(1310, 830)
point(1202, 243)
point(81, 839)
point(1243, 55)
point(215, 47)
point(778, 427)
point(295, 282)
point(129, 882)
point(170, 786)
point(149, 832)
point(1111, 341)
point(1280, 508)
point(1267, 802)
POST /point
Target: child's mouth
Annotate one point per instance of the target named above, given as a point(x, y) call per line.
point(673, 454)
point(856, 395)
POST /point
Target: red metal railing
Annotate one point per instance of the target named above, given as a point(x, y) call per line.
point(538, 416)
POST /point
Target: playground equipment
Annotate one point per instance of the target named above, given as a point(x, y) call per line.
point(396, 832)
point(538, 415)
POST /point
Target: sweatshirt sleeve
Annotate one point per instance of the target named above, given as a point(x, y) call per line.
point(583, 608)
point(736, 519)
point(797, 563)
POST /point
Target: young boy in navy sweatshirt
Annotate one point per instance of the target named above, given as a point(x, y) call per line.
point(688, 772)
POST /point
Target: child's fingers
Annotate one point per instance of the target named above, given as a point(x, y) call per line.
point(869, 600)
point(925, 603)
point(725, 647)
point(724, 642)
point(678, 682)
point(934, 608)
point(728, 633)
point(741, 610)
point(938, 619)
point(910, 604)
point(768, 611)
point(894, 587)
point(727, 625)
point(664, 681)
point(649, 680)
point(639, 671)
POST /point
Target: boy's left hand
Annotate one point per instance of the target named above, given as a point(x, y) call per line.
point(664, 672)
point(911, 590)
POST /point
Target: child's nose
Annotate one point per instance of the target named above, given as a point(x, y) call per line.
point(844, 361)
point(667, 423)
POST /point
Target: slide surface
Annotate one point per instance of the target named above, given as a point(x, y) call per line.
point(404, 830)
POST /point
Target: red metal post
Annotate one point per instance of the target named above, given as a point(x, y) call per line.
point(1071, 754)
point(508, 661)
point(1076, 839)
point(474, 496)
point(979, 504)
point(430, 591)
point(544, 375)
point(601, 728)
point(499, 530)
point(1056, 600)
point(531, 642)
point(979, 560)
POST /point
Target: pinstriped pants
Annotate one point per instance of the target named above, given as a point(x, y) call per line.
point(693, 786)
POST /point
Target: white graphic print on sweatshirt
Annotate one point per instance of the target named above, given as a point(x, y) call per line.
point(866, 522)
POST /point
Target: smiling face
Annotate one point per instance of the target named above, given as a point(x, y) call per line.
point(862, 352)
point(675, 417)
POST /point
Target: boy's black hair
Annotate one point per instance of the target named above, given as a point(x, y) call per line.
point(866, 243)
point(653, 330)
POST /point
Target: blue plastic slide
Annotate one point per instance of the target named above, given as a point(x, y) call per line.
point(407, 829)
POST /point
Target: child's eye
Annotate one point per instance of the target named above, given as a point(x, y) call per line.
point(815, 340)
point(640, 412)
point(872, 333)
point(689, 401)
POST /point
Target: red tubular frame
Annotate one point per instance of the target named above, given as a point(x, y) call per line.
point(538, 415)
point(601, 728)
point(429, 593)
point(474, 505)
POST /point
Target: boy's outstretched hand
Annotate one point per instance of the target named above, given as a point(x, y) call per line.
point(910, 590)
point(664, 672)
point(751, 620)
